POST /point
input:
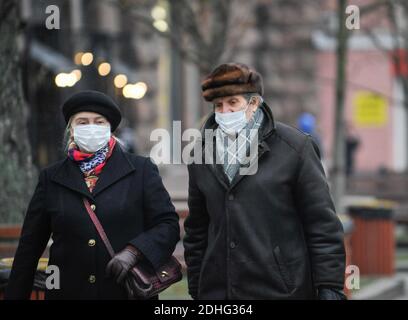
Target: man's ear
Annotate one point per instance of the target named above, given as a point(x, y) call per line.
point(255, 101)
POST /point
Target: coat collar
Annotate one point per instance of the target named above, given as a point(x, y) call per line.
point(268, 128)
point(69, 175)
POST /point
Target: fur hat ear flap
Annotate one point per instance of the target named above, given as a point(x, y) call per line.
point(231, 79)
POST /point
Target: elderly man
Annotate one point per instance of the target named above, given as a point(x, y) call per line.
point(271, 233)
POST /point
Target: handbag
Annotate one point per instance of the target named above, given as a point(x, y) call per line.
point(142, 281)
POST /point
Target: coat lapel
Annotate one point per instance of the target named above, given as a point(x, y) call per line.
point(218, 172)
point(115, 169)
point(70, 176)
point(262, 148)
point(214, 168)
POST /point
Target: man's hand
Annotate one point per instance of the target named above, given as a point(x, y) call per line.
point(122, 262)
point(327, 293)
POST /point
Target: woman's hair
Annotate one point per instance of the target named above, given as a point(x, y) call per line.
point(67, 139)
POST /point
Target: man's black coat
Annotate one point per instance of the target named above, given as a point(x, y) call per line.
point(271, 235)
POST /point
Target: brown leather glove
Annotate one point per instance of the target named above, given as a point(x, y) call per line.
point(122, 262)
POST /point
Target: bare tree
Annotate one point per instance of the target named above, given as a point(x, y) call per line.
point(16, 172)
point(397, 17)
point(203, 31)
point(397, 12)
point(338, 169)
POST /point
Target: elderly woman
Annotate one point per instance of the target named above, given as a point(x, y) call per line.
point(125, 192)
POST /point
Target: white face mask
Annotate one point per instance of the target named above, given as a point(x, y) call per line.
point(91, 137)
point(232, 122)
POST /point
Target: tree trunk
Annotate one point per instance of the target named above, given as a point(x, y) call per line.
point(16, 172)
point(338, 174)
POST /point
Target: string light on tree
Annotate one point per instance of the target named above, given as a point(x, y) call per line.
point(161, 25)
point(77, 73)
point(120, 81)
point(135, 91)
point(87, 58)
point(78, 58)
point(159, 15)
point(68, 79)
point(104, 69)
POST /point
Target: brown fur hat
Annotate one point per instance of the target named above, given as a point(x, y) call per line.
point(231, 79)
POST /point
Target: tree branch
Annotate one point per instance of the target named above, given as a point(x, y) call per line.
point(170, 35)
point(373, 6)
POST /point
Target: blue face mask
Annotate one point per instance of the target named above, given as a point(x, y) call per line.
point(232, 122)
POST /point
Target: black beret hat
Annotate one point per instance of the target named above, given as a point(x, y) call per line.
point(93, 101)
point(230, 79)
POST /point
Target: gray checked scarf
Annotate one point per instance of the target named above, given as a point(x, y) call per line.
point(233, 152)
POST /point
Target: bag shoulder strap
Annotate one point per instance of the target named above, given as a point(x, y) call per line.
point(99, 227)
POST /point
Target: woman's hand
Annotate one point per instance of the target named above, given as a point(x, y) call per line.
point(122, 262)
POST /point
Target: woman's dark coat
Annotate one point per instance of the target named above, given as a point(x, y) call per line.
point(271, 235)
point(133, 207)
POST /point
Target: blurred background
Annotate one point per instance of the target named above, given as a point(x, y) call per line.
point(335, 69)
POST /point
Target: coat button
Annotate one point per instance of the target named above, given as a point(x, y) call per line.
point(231, 196)
point(93, 207)
point(232, 244)
point(92, 278)
point(91, 242)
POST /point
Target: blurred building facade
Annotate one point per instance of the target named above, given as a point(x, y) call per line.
point(374, 98)
point(291, 43)
point(107, 35)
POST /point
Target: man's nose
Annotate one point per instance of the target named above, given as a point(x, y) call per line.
point(226, 108)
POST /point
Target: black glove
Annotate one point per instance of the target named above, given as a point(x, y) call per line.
point(121, 263)
point(326, 293)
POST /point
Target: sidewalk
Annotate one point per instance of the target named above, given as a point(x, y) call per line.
point(388, 288)
point(175, 179)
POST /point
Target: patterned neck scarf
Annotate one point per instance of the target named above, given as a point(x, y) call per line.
point(91, 164)
point(232, 151)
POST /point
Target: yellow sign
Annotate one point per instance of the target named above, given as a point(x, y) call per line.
point(370, 109)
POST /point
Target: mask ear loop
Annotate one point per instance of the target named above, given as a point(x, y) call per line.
point(249, 103)
point(261, 100)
